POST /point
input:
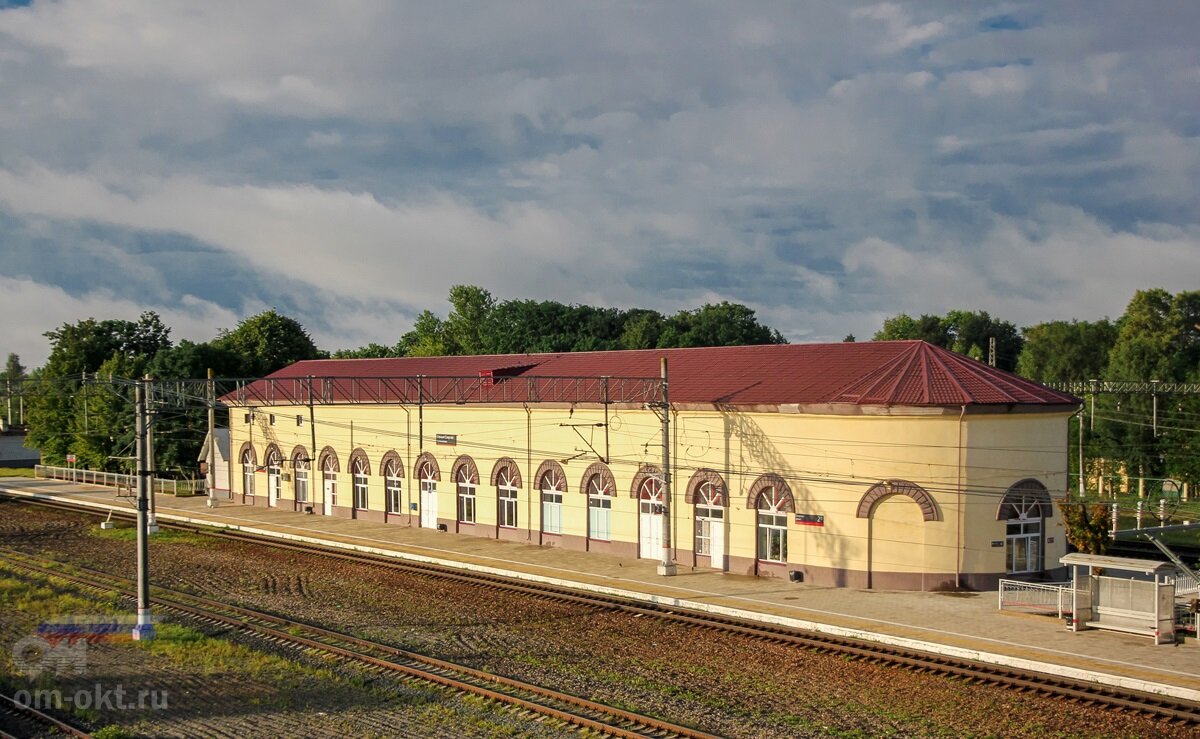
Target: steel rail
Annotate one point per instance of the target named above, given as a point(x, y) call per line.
point(10, 704)
point(1165, 707)
point(583, 713)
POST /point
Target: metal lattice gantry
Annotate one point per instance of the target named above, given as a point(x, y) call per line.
point(413, 390)
point(1125, 387)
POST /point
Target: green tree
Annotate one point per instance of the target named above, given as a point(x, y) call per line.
point(427, 338)
point(465, 328)
point(966, 332)
point(1158, 339)
point(102, 424)
point(268, 342)
point(1086, 525)
point(180, 431)
point(80, 349)
point(720, 324)
point(13, 369)
point(642, 329)
point(904, 327)
point(971, 333)
point(370, 351)
point(1058, 351)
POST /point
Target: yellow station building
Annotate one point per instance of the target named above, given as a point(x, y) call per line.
point(880, 464)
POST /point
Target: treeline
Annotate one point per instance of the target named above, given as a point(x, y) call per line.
point(478, 324)
point(75, 414)
point(1157, 338)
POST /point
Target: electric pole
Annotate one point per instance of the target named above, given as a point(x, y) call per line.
point(144, 630)
point(212, 440)
point(666, 567)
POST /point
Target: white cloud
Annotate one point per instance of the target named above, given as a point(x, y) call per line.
point(814, 162)
point(30, 308)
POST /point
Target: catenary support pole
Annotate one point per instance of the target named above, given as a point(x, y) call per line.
point(151, 416)
point(144, 630)
point(212, 440)
point(666, 567)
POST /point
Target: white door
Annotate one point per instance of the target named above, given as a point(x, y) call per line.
point(651, 529)
point(428, 506)
point(717, 532)
point(330, 495)
point(272, 489)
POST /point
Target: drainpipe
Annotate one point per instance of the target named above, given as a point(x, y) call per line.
point(530, 483)
point(958, 556)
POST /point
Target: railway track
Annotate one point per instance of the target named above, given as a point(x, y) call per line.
point(16, 716)
point(1083, 692)
point(532, 700)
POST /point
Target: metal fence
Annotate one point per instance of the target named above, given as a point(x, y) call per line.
point(117, 480)
point(1036, 597)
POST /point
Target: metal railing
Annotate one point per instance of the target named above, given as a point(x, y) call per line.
point(1036, 597)
point(117, 480)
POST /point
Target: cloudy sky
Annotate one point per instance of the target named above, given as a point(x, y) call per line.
point(828, 164)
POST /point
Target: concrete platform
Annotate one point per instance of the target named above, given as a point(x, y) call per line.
point(956, 624)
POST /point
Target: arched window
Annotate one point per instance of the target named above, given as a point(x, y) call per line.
point(552, 483)
point(392, 479)
point(248, 465)
point(710, 514)
point(359, 471)
point(600, 491)
point(466, 479)
point(773, 506)
point(507, 483)
point(300, 466)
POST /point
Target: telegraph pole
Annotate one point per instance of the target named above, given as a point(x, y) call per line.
point(666, 567)
point(144, 630)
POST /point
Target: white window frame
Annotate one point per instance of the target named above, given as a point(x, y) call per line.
point(248, 467)
point(274, 470)
point(358, 477)
point(599, 509)
point(329, 473)
point(393, 486)
point(552, 487)
point(466, 498)
point(300, 467)
point(772, 526)
point(709, 512)
point(506, 500)
point(1023, 534)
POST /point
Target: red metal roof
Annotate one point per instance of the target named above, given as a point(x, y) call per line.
point(899, 373)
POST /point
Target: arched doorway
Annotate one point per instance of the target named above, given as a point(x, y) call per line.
point(648, 486)
point(1024, 509)
point(897, 551)
point(274, 475)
